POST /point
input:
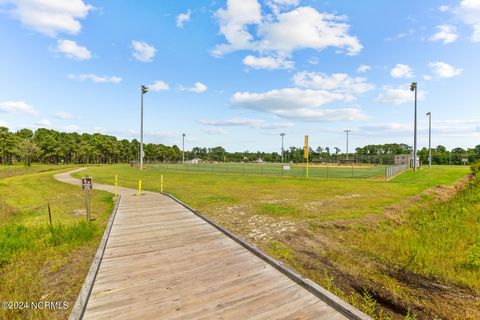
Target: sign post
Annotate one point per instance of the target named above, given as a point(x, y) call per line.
point(305, 152)
point(87, 187)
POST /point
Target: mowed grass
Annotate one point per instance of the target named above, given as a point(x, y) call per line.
point(276, 169)
point(292, 198)
point(19, 169)
point(39, 263)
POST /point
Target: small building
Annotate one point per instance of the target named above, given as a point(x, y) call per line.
point(194, 161)
point(406, 159)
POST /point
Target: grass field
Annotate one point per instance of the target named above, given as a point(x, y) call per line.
point(276, 169)
point(17, 170)
point(39, 263)
point(371, 242)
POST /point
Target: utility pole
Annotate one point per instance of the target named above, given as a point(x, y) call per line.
point(143, 90)
point(429, 114)
point(413, 87)
point(283, 152)
point(347, 131)
point(183, 147)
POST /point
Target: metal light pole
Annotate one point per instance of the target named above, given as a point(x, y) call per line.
point(183, 147)
point(413, 87)
point(429, 114)
point(283, 152)
point(347, 131)
point(143, 90)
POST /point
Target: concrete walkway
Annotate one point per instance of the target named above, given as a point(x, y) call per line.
point(162, 261)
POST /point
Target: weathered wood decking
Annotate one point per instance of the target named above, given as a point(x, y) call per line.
point(161, 261)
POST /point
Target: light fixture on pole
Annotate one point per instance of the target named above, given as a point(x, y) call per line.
point(183, 147)
point(429, 114)
point(143, 90)
point(413, 87)
point(347, 131)
point(283, 152)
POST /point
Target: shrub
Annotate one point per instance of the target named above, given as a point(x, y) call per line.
point(475, 168)
point(473, 257)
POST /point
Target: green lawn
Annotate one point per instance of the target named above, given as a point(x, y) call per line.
point(276, 169)
point(36, 262)
point(20, 169)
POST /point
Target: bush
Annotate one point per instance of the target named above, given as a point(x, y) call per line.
point(475, 168)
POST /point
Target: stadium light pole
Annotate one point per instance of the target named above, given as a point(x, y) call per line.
point(429, 114)
point(347, 131)
point(413, 87)
point(143, 90)
point(283, 152)
point(183, 147)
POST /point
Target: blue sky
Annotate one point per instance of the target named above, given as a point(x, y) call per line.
point(238, 73)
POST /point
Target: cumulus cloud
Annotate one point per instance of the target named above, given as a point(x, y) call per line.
point(397, 95)
point(245, 122)
point(299, 28)
point(43, 123)
point(444, 70)
point(95, 78)
point(63, 115)
point(198, 87)
point(17, 106)
point(301, 104)
point(268, 62)
point(363, 68)
point(469, 13)
point(446, 33)
point(182, 18)
point(158, 86)
point(401, 71)
point(49, 17)
point(339, 82)
point(142, 51)
point(72, 50)
point(443, 8)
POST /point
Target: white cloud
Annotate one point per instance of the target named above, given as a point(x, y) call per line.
point(43, 123)
point(444, 70)
point(443, 8)
point(398, 95)
point(198, 87)
point(17, 106)
point(340, 82)
point(295, 103)
point(446, 33)
point(3, 124)
point(245, 122)
point(182, 18)
point(95, 78)
point(268, 62)
point(158, 86)
point(469, 13)
point(63, 115)
point(279, 6)
point(215, 131)
point(401, 71)
point(142, 51)
point(363, 68)
point(49, 17)
point(72, 50)
point(71, 128)
point(402, 35)
point(427, 77)
point(300, 28)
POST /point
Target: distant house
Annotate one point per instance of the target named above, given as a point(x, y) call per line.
point(406, 159)
point(194, 161)
point(259, 160)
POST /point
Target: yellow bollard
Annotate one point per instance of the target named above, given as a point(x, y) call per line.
point(116, 185)
point(139, 187)
point(161, 183)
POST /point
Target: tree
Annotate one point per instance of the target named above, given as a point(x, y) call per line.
point(27, 151)
point(7, 144)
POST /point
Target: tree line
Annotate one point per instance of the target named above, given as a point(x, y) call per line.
point(50, 146)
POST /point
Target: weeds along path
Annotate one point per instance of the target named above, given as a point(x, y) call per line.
point(163, 259)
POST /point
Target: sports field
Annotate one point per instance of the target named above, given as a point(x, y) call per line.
point(277, 169)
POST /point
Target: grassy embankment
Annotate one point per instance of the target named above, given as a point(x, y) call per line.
point(37, 262)
point(361, 239)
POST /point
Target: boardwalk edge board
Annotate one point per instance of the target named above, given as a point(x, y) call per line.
point(82, 299)
point(332, 300)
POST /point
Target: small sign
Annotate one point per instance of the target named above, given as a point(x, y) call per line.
point(305, 148)
point(465, 160)
point(286, 167)
point(87, 183)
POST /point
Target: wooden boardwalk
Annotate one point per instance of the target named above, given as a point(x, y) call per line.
point(161, 261)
